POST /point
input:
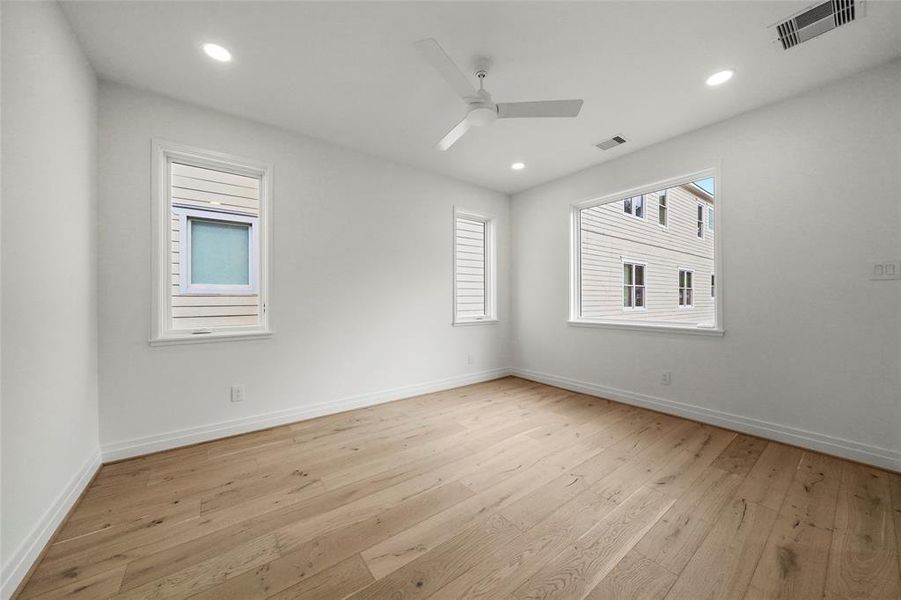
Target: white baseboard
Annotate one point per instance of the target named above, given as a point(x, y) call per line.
point(204, 433)
point(873, 455)
point(16, 567)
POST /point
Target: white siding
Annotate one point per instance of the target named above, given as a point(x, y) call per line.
point(609, 236)
point(471, 301)
point(205, 188)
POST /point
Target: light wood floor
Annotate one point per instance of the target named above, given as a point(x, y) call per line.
point(507, 489)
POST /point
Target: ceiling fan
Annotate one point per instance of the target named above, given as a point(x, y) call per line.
point(482, 110)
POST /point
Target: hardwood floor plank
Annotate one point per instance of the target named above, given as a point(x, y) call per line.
point(793, 563)
point(503, 489)
point(724, 563)
point(863, 562)
point(674, 539)
point(741, 455)
point(581, 567)
point(635, 577)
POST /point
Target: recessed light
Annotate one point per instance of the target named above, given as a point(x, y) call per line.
point(217, 52)
point(720, 77)
point(518, 166)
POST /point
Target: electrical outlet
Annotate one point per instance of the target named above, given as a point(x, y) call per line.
point(666, 378)
point(886, 271)
point(237, 393)
point(470, 359)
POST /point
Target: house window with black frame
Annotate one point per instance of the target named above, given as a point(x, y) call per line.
point(713, 286)
point(700, 220)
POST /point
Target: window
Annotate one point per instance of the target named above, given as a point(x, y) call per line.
point(210, 229)
point(474, 267)
point(700, 220)
point(685, 289)
point(634, 206)
point(712, 286)
point(711, 221)
point(633, 286)
point(643, 277)
point(661, 208)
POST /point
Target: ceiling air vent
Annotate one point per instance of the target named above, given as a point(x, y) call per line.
point(817, 20)
point(611, 143)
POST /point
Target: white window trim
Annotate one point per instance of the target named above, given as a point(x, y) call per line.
point(575, 318)
point(184, 253)
point(163, 154)
point(707, 210)
point(701, 227)
point(679, 288)
point(644, 265)
point(490, 269)
point(665, 208)
point(644, 207)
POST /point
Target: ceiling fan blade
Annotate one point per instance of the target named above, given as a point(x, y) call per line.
point(453, 135)
point(435, 55)
point(548, 108)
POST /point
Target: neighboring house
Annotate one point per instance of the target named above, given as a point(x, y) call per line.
point(651, 257)
point(214, 279)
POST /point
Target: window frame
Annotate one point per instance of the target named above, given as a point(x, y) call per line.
point(185, 250)
point(576, 320)
point(644, 207)
point(644, 275)
point(711, 223)
point(702, 210)
point(689, 275)
point(164, 153)
point(662, 194)
point(490, 316)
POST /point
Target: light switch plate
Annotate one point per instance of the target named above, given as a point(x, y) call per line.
point(886, 271)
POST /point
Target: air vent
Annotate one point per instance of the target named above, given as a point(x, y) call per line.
point(611, 143)
point(816, 20)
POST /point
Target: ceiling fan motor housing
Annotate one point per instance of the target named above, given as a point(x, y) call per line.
point(482, 111)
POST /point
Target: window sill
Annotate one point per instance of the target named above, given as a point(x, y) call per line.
point(475, 322)
point(206, 338)
point(709, 331)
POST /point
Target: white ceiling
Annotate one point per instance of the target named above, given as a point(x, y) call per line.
point(346, 72)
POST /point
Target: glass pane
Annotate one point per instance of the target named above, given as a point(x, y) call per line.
point(639, 205)
point(688, 297)
point(681, 297)
point(627, 296)
point(627, 274)
point(220, 252)
point(627, 205)
point(639, 296)
point(681, 279)
point(711, 221)
point(688, 279)
point(661, 213)
point(639, 275)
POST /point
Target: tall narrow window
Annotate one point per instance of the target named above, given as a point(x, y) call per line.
point(633, 286)
point(685, 289)
point(711, 221)
point(634, 206)
point(210, 225)
point(700, 220)
point(713, 286)
point(473, 268)
point(661, 208)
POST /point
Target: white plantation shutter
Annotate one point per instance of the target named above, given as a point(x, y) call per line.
point(471, 269)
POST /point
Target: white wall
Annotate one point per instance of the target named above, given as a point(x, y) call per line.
point(809, 198)
point(361, 289)
point(49, 312)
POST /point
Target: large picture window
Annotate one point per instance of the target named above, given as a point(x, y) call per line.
point(657, 291)
point(211, 259)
